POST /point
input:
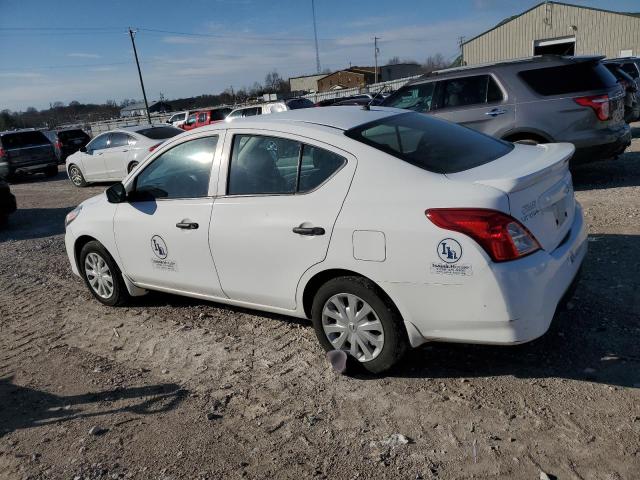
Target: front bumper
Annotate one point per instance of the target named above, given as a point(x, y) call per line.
point(504, 303)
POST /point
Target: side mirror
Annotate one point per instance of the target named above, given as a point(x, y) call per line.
point(83, 149)
point(117, 193)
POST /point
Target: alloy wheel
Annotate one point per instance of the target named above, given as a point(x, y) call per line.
point(76, 175)
point(350, 324)
point(98, 275)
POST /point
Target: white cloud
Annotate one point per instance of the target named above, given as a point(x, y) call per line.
point(23, 75)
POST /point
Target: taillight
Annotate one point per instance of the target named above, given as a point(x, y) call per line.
point(599, 103)
point(3, 152)
point(58, 144)
point(153, 147)
point(501, 236)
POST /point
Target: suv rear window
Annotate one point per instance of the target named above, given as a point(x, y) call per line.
point(571, 78)
point(23, 139)
point(430, 143)
point(160, 133)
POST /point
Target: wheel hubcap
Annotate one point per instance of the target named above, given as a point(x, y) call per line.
point(76, 176)
point(98, 275)
point(350, 324)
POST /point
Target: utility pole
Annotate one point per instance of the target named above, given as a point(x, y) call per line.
point(376, 51)
point(144, 94)
point(315, 35)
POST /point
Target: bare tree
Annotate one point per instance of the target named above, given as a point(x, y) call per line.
point(434, 62)
point(393, 61)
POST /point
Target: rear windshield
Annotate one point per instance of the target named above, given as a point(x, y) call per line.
point(69, 134)
point(219, 114)
point(297, 103)
point(24, 139)
point(160, 133)
point(571, 78)
point(430, 143)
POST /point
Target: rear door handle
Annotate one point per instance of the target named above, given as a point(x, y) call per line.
point(494, 112)
point(310, 231)
point(187, 225)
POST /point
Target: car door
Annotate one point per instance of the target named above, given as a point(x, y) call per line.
point(282, 196)
point(116, 157)
point(477, 102)
point(93, 160)
point(162, 231)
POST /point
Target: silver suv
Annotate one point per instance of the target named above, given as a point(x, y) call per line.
point(541, 99)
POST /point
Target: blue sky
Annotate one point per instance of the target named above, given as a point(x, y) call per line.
point(80, 50)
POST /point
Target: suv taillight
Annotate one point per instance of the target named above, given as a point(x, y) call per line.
point(599, 103)
point(58, 144)
point(501, 236)
point(3, 152)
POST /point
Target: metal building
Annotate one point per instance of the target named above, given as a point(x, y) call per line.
point(559, 28)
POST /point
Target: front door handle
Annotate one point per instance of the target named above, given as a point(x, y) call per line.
point(494, 112)
point(187, 225)
point(310, 231)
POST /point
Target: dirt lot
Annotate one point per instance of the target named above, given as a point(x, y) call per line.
point(177, 388)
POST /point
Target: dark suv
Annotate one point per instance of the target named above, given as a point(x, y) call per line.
point(542, 99)
point(26, 151)
point(70, 141)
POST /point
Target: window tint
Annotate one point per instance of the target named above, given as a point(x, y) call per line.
point(297, 103)
point(99, 142)
point(219, 114)
point(631, 69)
point(182, 172)
point(474, 90)
point(418, 98)
point(160, 133)
point(571, 78)
point(429, 143)
point(24, 139)
point(119, 140)
point(317, 165)
point(261, 165)
point(68, 135)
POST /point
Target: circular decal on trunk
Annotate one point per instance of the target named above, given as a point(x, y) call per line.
point(159, 247)
point(449, 250)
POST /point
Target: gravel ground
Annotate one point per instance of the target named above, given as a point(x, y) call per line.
point(174, 388)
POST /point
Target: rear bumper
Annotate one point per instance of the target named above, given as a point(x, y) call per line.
point(606, 144)
point(506, 303)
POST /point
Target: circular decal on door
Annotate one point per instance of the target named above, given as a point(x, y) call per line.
point(449, 250)
point(159, 247)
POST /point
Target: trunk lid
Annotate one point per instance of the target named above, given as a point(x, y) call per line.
point(537, 182)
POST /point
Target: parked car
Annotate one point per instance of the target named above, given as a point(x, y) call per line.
point(205, 117)
point(178, 119)
point(26, 151)
point(71, 140)
point(542, 99)
point(112, 155)
point(441, 233)
point(7, 202)
point(272, 107)
point(359, 99)
point(630, 65)
point(631, 99)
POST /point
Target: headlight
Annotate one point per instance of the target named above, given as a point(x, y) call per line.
point(72, 215)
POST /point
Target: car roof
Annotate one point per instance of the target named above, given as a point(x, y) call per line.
point(341, 118)
point(137, 128)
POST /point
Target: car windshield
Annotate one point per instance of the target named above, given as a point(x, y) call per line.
point(23, 139)
point(160, 133)
point(429, 143)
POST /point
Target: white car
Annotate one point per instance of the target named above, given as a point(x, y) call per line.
point(267, 108)
point(386, 228)
point(178, 119)
point(112, 155)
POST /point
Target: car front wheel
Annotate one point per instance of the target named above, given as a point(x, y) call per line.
point(352, 314)
point(102, 275)
point(76, 177)
point(132, 165)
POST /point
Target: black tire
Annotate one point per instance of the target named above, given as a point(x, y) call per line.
point(51, 171)
point(76, 177)
point(120, 294)
point(132, 165)
point(396, 342)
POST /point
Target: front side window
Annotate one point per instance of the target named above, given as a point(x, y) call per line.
point(177, 118)
point(479, 89)
point(430, 143)
point(182, 172)
point(192, 119)
point(250, 112)
point(418, 98)
point(202, 117)
point(99, 142)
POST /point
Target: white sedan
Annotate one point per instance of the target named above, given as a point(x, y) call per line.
point(112, 155)
point(386, 228)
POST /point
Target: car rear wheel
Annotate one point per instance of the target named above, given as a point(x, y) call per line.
point(352, 314)
point(75, 174)
point(101, 275)
point(132, 165)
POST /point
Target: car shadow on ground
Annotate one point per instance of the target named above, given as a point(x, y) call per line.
point(24, 407)
point(31, 223)
point(613, 173)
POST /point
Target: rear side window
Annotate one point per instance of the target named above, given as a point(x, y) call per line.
point(631, 69)
point(250, 112)
point(430, 143)
point(478, 89)
point(418, 98)
point(202, 117)
point(570, 78)
point(23, 140)
point(160, 133)
point(119, 140)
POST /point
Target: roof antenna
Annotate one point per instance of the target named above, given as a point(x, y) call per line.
point(368, 105)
